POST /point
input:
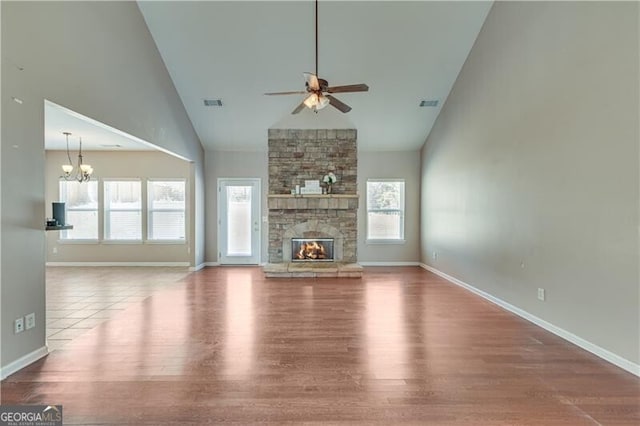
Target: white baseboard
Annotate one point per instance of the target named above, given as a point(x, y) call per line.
point(118, 264)
point(22, 362)
point(606, 355)
point(202, 266)
point(389, 263)
point(197, 268)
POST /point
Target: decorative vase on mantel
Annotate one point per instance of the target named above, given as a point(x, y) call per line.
point(329, 179)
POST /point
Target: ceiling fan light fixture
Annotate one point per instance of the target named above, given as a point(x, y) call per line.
point(316, 101)
point(323, 102)
point(311, 101)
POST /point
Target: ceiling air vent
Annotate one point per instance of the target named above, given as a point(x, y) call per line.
point(212, 102)
point(429, 103)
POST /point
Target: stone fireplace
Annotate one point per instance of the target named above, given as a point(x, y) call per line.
point(297, 156)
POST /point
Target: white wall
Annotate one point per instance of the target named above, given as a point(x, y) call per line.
point(390, 165)
point(140, 165)
point(96, 58)
point(530, 175)
point(233, 164)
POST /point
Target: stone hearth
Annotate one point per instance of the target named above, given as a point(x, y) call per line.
point(313, 270)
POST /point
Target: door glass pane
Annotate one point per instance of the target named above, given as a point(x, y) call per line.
point(239, 220)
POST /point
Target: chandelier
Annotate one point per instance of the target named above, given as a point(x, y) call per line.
point(83, 172)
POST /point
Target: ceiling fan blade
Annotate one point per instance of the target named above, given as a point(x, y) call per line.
point(298, 92)
point(298, 108)
point(338, 104)
point(312, 81)
point(348, 88)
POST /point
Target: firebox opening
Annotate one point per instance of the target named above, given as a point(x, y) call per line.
point(312, 250)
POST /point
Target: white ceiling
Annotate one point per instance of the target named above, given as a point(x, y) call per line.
point(236, 51)
point(95, 135)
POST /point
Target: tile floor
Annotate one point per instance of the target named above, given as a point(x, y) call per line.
point(81, 298)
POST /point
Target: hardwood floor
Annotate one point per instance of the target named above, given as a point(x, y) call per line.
point(401, 345)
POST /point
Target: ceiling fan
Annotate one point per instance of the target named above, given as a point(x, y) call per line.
point(316, 88)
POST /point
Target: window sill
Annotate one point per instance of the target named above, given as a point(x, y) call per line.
point(166, 242)
point(129, 242)
point(126, 242)
point(376, 242)
point(78, 242)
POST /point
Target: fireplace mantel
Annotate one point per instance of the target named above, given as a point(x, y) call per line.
point(313, 202)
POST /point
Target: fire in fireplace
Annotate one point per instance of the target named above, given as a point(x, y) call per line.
point(312, 250)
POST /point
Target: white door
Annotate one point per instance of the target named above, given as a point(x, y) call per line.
point(239, 221)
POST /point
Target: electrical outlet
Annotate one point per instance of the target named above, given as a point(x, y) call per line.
point(55, 250)
point(541, 294)
point(18, 325)
point(30, 320)
point(434, 255)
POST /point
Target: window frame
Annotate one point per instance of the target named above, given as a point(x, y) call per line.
point(150, 210)
point(107, 212)
point(62, 238)
point(401, 210)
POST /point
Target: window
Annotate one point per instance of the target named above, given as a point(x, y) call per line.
point(122, 210)
point(385, 210)
point(81, 202)
point(166, 213)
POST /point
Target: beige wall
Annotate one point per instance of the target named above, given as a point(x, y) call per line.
point(530, 175)
point(404, 165)
point(390, 165)
point(140, 165)
point(96, 58)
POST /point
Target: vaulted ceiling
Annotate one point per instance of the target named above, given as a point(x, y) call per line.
point(236, 51)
